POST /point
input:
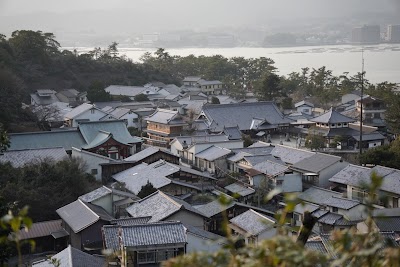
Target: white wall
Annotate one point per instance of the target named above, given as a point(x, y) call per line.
point(129, 117)
point(91, 160)
point(305, 109)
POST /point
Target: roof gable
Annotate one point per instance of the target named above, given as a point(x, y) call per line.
point(253, 222)
point(332, 116)
point(19, 158)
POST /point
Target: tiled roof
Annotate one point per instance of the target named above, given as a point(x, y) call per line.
point(50, 139)
point(166, 233)
point(241, 115)
point(290, 155)
point(303, 102)
point(79, 110)
point(240, 189)
point(354, 175)
point(369, 136)
point(256, 159)
point(111, 237)
point(146, 153)
point(332, 116)
point(41, 229)
point(78, 215)
point(233, 133)
point(72, 257)
point(316, 162)
point(165, 116)
point(19, 158)
point(159, 206)
point(204, 234)
point(131, 221)
point(270, 168)
point(253, 222)
point(96, 194)
point(201, 139)
point(191, 79)
point(119, 112)
point(326, 197)
point(387, 219)
point(316, 245)
point(125, 90)
point(90, 130)
point(212, 153)
point(303, 207)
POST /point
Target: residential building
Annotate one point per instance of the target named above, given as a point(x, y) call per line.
point(212, 160)
point(146, 244)
point(43, 97)
point(112, 200)
point(253, 226)
point(132, 91)
point(367, 34)
point(305, 107)
point(210, 87)
point(373, 111)
point(48, 236)
point(199, 240)
point(83, 113)
point(393, 33)
point(163, 207)
point(241, 191)
point(248, 117)
point(92, 161)
point(318, 169)
point(168, 177)
point(130, 118)
point(191, 81)
point(350, 181)
point(152, 154)
point(387, 220)
point(83, 222)
point(216, 213)
point(163, 126)
point(72, 96)
point(72, 257)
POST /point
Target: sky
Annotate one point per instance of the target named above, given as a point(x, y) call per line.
point(160, 15)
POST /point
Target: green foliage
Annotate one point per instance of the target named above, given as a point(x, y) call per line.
point(141, 98)
point(215, 100)
point(269, 87)
point(287, 103)
point(386, 155)
point(314, 141)
point(44, 186)
point(247, 141)
point(146, 190)
point(96, 92)
point(4, 142)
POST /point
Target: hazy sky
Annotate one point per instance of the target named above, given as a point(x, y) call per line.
point(159, 15)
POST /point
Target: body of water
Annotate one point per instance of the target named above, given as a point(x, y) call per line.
point(382, 62)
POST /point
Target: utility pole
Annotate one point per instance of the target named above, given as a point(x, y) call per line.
point(361, 102)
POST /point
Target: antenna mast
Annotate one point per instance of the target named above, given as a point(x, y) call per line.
point(361, 102)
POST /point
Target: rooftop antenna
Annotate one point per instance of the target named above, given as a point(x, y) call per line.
point(361, 102)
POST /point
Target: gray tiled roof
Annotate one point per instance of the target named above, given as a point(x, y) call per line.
point(191, 79)
point(78, 215)
point(131, 221)
point(240, 189)
point(330, 218)
point(79, 110)
point(117, 128)
point(290, 155)
point(50, 139)
point(41, 229)
point(388, 223)
point(369, 136)
point(316, 245)
point(125, 90)
point(303, 207)
point(165, 116)
point(357, 176)
point(303, 102)
point(241, 115)
point(96, 194)
point(254, 160)
point(146, 153)
point(72, 257)
point(253, 222)
point(212, 153)
point(159, 206)
point(332, 116)
point(19, 158)
point(233, 133)
point(165, 233)
point(327, 197)
point(270, 168)
point(111, 237)
point(119, 112)
point(316, 162)
point(204, 234)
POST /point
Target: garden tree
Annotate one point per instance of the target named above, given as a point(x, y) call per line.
point(215, 100)
point(146, 190)
point(268, 88)
point(141, 98)
point(96, 92)
point(34, 184)
point(349, 248)
point(314, 141)
point(386, 155)
point(247, 141)
point(287, 103)
point(4, 142)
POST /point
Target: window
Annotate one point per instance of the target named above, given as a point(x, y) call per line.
point(335, 209)
point(395, 202)
point(92, 111)
point(93, 171)
point(306, 110)
point(147, 257)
